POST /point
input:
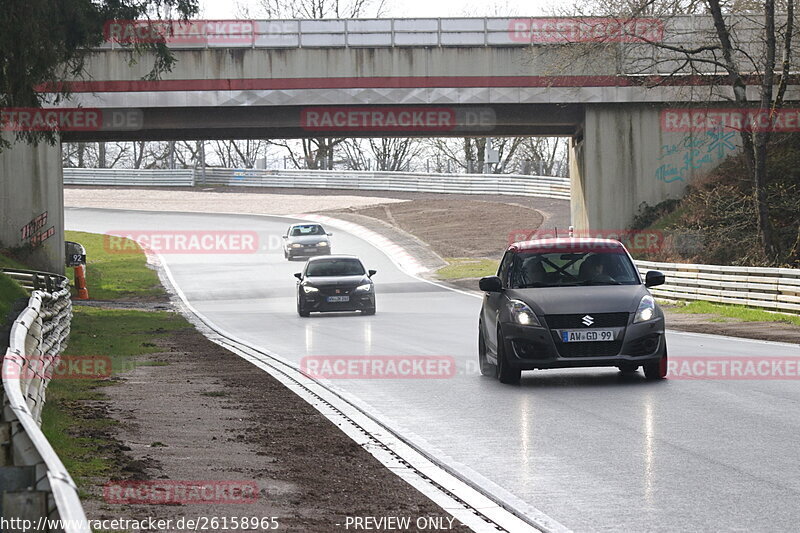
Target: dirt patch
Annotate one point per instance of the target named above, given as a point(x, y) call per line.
point(198, 412)
point(458, 227)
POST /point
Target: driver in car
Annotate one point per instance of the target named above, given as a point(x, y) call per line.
point(597, 267)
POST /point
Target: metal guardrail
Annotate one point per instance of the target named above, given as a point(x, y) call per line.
point(124, 176)
point(503, 184)
point(777, 289)
point(37, 485)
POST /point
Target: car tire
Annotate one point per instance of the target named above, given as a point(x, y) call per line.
point(486, 368)
point(370, 311)
point(302, 312)
point(655, 370)
point(505, 372)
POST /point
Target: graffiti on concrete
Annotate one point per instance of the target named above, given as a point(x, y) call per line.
point(693, 152)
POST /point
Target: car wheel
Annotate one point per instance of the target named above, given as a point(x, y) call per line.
point(486, 368)
point(657, 369)
point(628, 369)
point(300, 311)
point(370, 311)
point(505, 372)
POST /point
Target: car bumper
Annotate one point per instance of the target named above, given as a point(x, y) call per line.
point(358, 302)
point(530, 347)
point(306, 252)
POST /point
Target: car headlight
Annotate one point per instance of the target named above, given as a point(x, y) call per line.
point(522, 314)
point(323, 243)
point(646, 310)
point(309, 289)
point(365, 287)
point(295, 245)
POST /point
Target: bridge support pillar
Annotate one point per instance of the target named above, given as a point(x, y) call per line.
point(32, 204)
point(625, 158)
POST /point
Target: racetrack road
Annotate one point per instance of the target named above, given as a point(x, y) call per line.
point(593, 450)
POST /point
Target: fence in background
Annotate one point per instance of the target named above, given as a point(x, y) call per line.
point(503, 184)
point(35, 484)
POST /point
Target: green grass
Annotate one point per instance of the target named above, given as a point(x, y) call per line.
point(120, 335)
point(461, 267)
point(10, 290)
point(115, 275)
point(747, 314)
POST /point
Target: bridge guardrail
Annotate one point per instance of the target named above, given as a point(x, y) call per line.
point(36, 482)
point(777, 289)
point(502, 184)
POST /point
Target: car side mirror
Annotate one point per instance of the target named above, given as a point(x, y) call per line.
point(329, 234)
point(298, 275)
point(371, 273)
point(490, 284)
point(284, 236)
point(653, 278)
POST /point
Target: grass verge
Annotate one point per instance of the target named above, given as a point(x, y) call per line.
point(74, 421)
point(116, 275)
point(464, 267)
point(746, 314)
point(10, 290)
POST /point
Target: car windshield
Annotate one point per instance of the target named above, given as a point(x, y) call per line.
point(335, 267)
point(308, 229)
point(573, 268)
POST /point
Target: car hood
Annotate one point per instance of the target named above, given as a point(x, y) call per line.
point(343, 281)
point(308, 239)
point(573, 300)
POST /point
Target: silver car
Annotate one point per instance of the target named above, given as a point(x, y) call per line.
point(304, 240)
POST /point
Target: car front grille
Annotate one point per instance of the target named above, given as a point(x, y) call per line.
point(331, 291)
point(599, 320)
point(589, 349)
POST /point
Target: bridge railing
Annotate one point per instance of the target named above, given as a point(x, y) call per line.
point(36, 485)
point(502, 184)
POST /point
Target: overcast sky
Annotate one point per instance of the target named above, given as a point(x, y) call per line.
point(226, 9)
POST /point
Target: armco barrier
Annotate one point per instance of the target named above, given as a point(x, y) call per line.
point(777, 289)
point(129, 177)
point(502, 184)
point(36, 484)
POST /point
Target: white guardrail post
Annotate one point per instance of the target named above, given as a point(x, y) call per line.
point(35, 485)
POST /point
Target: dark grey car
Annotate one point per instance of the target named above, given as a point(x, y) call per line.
point(561, 303)
point(306, 240)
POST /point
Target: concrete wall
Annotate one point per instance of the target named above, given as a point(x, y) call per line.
point(32, 204)
point(626, 158)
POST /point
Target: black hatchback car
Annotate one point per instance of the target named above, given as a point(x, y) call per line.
point(335, 283)
point(569, 302)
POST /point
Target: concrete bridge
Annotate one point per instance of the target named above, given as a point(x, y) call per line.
point(590, 79)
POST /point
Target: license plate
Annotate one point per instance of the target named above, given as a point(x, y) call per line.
point(332, 299)
point(587, 335)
